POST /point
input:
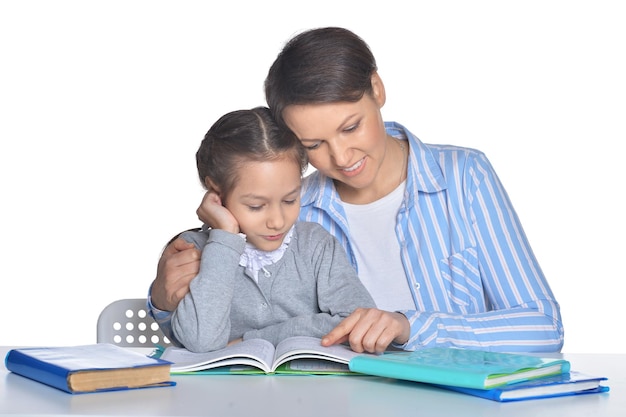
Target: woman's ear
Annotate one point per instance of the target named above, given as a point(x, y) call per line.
point(378, 90)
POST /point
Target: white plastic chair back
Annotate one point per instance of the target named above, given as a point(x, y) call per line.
point(126, 323)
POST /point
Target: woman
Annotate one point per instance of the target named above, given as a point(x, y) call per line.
point(429, 228)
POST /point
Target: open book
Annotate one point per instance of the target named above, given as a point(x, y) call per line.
point(298, 354)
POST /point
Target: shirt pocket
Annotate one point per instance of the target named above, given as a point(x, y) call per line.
point(461, 275)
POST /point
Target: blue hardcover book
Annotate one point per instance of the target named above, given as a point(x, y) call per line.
point(459, 367)
point(572, 383)
point(89, 368)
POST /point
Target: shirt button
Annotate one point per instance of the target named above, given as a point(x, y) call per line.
point(416, 285)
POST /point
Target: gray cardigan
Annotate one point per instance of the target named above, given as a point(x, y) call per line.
point(309, 291)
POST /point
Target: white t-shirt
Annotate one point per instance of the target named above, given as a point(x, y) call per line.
point(377, 251)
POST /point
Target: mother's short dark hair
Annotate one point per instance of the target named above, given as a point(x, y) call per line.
point(321, 65)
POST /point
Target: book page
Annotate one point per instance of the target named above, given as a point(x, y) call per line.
point(304, 347)
point(98, 379)
point(255, 352)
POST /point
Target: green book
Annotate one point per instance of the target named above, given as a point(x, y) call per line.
point(459, 367)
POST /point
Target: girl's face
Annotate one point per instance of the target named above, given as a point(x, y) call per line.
point(266, 201)
point(345, 141)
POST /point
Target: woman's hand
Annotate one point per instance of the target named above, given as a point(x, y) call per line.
point(370, 330)
point(212, 213)
point(179, 264)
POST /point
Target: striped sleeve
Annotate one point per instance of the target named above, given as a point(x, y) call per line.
point(516, 310)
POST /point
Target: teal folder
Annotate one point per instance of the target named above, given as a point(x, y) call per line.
point(459, 367)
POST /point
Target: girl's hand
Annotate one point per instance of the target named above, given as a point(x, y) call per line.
point(235, 341)
point(214, 214)
point(370, 330)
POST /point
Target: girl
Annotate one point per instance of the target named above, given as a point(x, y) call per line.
point(261, 274)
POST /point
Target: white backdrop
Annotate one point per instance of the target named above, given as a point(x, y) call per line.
point(104, 103)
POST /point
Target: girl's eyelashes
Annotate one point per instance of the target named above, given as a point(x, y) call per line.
point(258, 208)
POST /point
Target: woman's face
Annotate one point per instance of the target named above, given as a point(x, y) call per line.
point(345, 141)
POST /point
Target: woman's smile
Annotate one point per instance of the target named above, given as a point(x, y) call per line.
point(354, 169)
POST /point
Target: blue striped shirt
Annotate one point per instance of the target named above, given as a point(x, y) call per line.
point(473, 276)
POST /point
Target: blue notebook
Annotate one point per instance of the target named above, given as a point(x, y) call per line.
point(572, 383)
point(89, 368)
point(459, 367)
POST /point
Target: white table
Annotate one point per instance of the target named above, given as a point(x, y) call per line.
point(302, 396)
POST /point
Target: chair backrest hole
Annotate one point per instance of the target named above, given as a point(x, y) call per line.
point(127, 323)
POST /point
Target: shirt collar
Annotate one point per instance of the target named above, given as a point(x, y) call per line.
point(425, 174)
point(254, 259)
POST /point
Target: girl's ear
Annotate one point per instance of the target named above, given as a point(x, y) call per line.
point(378, 90)
point(211, 186)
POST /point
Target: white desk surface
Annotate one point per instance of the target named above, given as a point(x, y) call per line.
point(302, 396)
